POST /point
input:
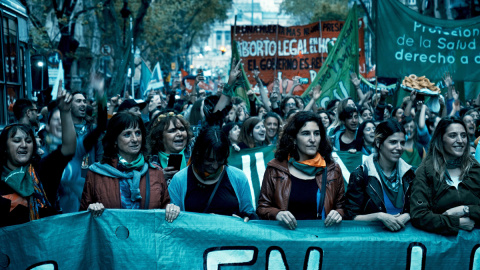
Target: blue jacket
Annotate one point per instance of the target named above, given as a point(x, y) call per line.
point(178, 189)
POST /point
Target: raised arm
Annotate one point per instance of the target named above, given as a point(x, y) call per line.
point(263, 91)
point(91, 138)
point(69, 136)
point(317, 92)
point(410, 102)
point(356, 83)
point(447, 79)
point(228, 89)
point(296, 82)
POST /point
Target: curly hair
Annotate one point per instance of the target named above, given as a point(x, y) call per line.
point(436, 149)
point(10, 131)
point(286, 146)
point(118, 123)
point(159, 126)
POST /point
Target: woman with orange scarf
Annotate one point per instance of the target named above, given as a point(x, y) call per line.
point(302, 182)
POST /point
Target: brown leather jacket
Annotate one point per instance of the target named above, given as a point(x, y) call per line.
point(106, 190)
point(276, 188)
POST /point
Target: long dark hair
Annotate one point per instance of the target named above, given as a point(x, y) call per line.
point(118, 123)
point(286, 146)
point(247, 128)
point(210, 140)
point(10, 131)
point(359, 142)
point(436, 149)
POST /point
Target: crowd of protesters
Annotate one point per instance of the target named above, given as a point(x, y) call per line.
point(170, 152)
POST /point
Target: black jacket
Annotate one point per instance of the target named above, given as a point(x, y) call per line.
point(365, 193)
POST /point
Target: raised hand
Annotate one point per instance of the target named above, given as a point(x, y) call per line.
point(354, 79)
point(97, 82)
point(64, 99)
point(235, 72)
point(447, 79)
point(317, 92)
point(255, 74)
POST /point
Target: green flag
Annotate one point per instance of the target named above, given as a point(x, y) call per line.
point(145, 76)
point(242, 85)
point(334, 75)
point(348, 162)
point(252, 162)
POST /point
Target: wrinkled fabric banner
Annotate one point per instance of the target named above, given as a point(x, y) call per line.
point(252, 162)
point(142, 239)
point(411, 43)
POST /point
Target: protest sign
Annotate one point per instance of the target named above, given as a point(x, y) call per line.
point(142, 239)
point(285, 52)
point(410, 43)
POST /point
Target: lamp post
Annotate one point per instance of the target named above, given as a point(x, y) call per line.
point(40, 64)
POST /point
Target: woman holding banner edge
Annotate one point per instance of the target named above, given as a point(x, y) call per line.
point(302, 182)
point(379, 190)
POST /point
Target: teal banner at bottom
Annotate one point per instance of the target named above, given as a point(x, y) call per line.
point(139, 239)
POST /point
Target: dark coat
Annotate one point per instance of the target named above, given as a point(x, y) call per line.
point(432, 197)
point(365, 192)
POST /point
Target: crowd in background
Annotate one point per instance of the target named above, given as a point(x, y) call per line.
point(170, 151)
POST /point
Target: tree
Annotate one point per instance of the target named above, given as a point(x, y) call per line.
point(163, 30)
point(173, 27)
point(307, 11)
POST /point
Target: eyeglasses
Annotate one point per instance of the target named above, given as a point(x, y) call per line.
point(290, 105)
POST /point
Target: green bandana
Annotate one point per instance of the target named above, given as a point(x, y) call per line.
point(306, 169)
point(134, 165)
point(19, 180)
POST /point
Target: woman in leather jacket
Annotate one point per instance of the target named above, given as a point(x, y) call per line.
point(302, 182)
point(379, 189)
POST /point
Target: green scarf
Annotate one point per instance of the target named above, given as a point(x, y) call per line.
point(19, 180)
point(412, 157)
point(306, 169)
point(134, 165)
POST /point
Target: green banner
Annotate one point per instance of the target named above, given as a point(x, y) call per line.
point(334, 75)
point(142, 239)
point(252, 162)
point(410, 43)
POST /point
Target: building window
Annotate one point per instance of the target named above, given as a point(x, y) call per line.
point(227, 36)
point(10, 49)
point(219, 36)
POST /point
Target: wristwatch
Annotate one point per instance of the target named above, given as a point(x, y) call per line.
point(466, 211)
